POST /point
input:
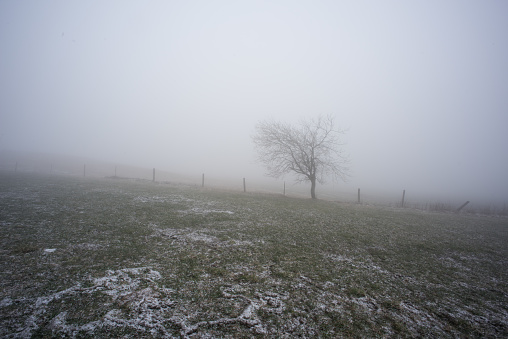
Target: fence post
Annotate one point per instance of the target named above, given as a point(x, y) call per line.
point(403, 195)
point(463, 205)
point(358, 195)
point(203, 180)
point(244, 185)
point(153, 179)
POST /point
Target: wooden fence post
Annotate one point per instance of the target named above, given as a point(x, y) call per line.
point(358, 195)
point(463, 205)
point(153, 179)
point(244, 185)
point(403, 195)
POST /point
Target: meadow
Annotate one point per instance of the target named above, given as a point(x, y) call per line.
point(109, 258)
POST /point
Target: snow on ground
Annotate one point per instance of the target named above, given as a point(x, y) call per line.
point(141, 305)
point(172, 198)
point(125, 288)
point(355, 262)
point(299, 271)
point(199, 210)
point(185, 235)
point(198, 207)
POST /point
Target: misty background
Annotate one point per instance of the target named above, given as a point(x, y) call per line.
point(420, 87)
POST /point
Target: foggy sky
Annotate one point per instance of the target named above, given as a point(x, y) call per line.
point(421, 86)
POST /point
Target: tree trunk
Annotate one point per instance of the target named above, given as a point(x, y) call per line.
point(313, 188)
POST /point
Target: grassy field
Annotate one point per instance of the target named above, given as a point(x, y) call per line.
point(124, 258)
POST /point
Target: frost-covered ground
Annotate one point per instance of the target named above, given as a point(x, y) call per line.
point(110, 258)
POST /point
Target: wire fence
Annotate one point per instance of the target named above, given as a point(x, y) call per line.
point(242, 184)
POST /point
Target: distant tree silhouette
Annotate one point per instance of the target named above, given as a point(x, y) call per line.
point(312, 150)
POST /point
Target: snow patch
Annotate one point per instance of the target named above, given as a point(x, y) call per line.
point(6, 302)
point(204, 211)
point(146, 307)
point(142, 305)
point(356, 262)
point(174, 198)
point(197, 236)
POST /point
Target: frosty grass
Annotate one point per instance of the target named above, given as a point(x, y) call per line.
point(124, 258)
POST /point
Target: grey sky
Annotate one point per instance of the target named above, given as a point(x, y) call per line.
point(420, 85)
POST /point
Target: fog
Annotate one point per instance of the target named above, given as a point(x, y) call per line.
point(420, 86)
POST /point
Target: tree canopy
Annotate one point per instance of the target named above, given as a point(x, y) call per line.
point(312, 150)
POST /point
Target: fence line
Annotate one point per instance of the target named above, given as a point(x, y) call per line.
point(131, 172)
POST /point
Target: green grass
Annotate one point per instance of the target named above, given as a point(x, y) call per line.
point(218, 263)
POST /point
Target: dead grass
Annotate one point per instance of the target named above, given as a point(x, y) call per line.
point(137, 259)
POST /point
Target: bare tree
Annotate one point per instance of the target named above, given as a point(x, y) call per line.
point(311, 150)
